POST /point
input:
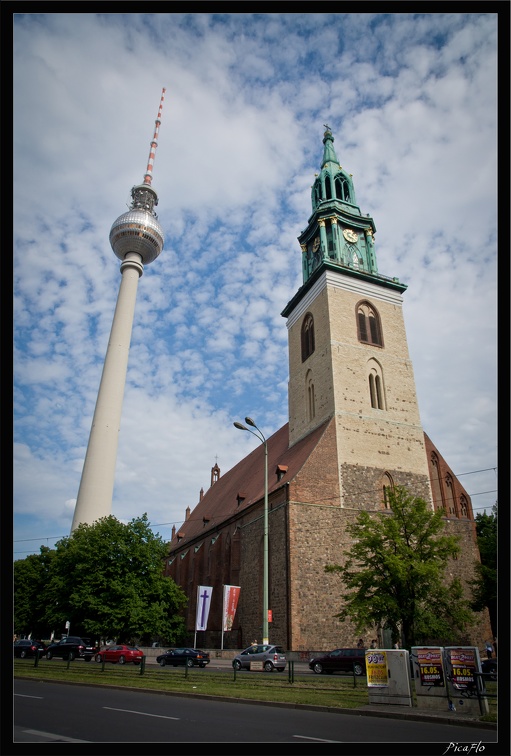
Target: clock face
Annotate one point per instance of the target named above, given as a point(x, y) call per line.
point(350, 235)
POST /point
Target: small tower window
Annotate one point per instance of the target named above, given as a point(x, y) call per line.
point(215, 474)
point(330, 238)
point(387, 486)
point(342, 189)
point(368, 325)
point(317, 193)
point(311, 399)
point(376, 388)
point(308, 344)
point(375, 391)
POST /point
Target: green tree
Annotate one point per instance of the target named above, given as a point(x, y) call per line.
point(395, 574)
point(107, 580)
point(30, 577)
point(484, 587)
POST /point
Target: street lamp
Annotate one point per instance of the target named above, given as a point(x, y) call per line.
point(261, 438)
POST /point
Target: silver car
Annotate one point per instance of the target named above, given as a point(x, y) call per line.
point(272, 657)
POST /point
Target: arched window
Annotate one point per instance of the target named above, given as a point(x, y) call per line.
point(463, 506)
point(387, 486)
point(438, 499)
point(308, 344)
point(329, 233)
point(376, 388)
point(342, 190)
point(368, 325)
point(311, 399)
point(449, 496)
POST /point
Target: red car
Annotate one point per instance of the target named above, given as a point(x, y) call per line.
point(120, 655)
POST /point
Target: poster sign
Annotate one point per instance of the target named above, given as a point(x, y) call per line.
point(463, 662)
point(203, 603)
point(231, 596)
point(431, 670)
point(377, 669)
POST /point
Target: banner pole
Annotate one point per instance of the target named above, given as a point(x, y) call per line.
point(223, 618)
point(196, 615)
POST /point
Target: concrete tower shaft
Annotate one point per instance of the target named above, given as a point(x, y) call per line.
point(137, 239)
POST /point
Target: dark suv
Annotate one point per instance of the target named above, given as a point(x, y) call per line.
point(71, 647)
point(340, 660)
point(25, 647)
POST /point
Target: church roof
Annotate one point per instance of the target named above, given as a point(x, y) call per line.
point(243, 484)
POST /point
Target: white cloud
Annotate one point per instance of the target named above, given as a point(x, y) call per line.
point(411, 100)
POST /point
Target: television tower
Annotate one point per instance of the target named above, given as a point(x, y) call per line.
point(137, 239)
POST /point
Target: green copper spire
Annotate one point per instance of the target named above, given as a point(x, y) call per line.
point(338, 235)
point(333, 183)
point(338, 239)
point(329, 155)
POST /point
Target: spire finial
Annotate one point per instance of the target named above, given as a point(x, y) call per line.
point(148, 176)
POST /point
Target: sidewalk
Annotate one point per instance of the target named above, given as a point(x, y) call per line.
point(422, 715)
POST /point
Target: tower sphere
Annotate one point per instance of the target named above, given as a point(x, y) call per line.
point(138, 230)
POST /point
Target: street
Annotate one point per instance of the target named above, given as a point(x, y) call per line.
point(50, 712)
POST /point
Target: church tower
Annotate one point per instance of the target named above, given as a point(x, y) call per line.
point(348, 353)
point(270, 524)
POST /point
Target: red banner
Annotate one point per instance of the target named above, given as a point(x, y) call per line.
point(231, 596)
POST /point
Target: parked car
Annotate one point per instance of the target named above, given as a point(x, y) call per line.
point(340, 660)
point(272, 657)
point(23, 648)
point(72, 647)
point(490, 667)
point(120, 654)
point(191, 657)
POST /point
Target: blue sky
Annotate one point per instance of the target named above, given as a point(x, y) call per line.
point(411, 100)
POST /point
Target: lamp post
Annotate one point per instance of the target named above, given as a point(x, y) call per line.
point(261, 438)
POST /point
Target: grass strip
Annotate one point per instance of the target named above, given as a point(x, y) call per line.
point(334, 691)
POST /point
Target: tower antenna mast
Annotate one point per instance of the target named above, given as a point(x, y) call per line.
point(148, 176)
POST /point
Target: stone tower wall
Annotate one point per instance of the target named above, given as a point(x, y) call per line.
point(374, 440)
